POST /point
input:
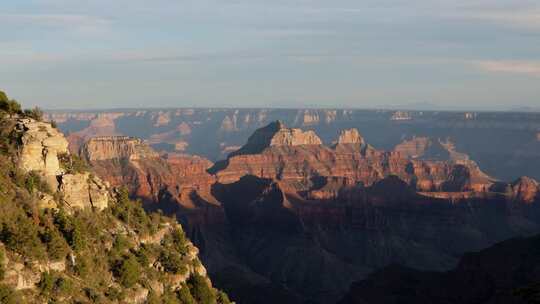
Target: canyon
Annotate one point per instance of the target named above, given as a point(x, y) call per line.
point(505, 145)
point(504, 273)
point(287, 218)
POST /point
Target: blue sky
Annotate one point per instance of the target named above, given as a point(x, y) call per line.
point(481, 54)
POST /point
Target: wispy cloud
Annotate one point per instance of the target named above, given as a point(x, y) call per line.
point(518, 16)
point(510, 66)
point(55, 19)
point(82, 24)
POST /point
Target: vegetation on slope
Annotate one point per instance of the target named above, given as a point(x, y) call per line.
point(120, 255)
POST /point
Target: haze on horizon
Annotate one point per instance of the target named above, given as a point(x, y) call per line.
point(469, 54)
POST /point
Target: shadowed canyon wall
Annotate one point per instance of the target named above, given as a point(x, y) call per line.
point(285, 218)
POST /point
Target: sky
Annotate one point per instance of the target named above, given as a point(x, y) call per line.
point(482, 54)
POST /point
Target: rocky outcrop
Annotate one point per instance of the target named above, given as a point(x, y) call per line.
point(41, 150)
point(299, 163)
point(163, 118)
point(177, 181)
point(81, 191)
point(293, 137)
point(413, 148)
point(525, 189)
point(350, 136)
point(277, 135)
point(116, 147)
point(41, 144)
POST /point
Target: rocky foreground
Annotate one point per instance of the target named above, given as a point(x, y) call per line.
point(66, 236)
point(294, 220)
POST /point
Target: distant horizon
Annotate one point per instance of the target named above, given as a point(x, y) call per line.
point(389, 108)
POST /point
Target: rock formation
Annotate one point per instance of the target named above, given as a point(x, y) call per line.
point(116, 147)
point(276, 152)
point(350, 137)
point(285, 208)
point(525, 189)
point(503, 144)
point(172, 178)
point(41, 149)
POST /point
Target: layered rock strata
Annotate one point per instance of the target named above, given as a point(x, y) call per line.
point(285, 208)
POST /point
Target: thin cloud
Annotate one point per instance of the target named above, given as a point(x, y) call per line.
point(514, 67)
point(55, 19)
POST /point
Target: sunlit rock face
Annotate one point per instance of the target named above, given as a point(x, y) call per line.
point(41, 148)
point(116, 147)
point(81, 191)
point(276, 152)
point(525, 189)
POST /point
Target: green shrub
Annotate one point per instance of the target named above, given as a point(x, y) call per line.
point(132, 213)
point(92, 294)
point(200, 289)
point(35, 113)
point(128, 271)
point(8, 295)
point(2, 267)
point(21, 236)
point(222, 298)
point(83, 266)
point(73, 163)
point(64, 286)
point(10, 106)
point(47, 283)
point(114, 294)
point(169, 297)
point(184, 295)
point(73, 230)
point(172, 262)
point(56, 244)
point(34, 182)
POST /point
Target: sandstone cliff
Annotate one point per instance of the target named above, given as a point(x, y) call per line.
point(277, 135)
point(299, 158)
point(42, 151)
point(116, 147)
point(177, 181)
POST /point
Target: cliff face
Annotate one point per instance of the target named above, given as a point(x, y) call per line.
point(525, 189)
point(176, 181)
point(116, 147)
point(285, 208)
point(42, 149)
point(350, 158)
point(41, 146)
